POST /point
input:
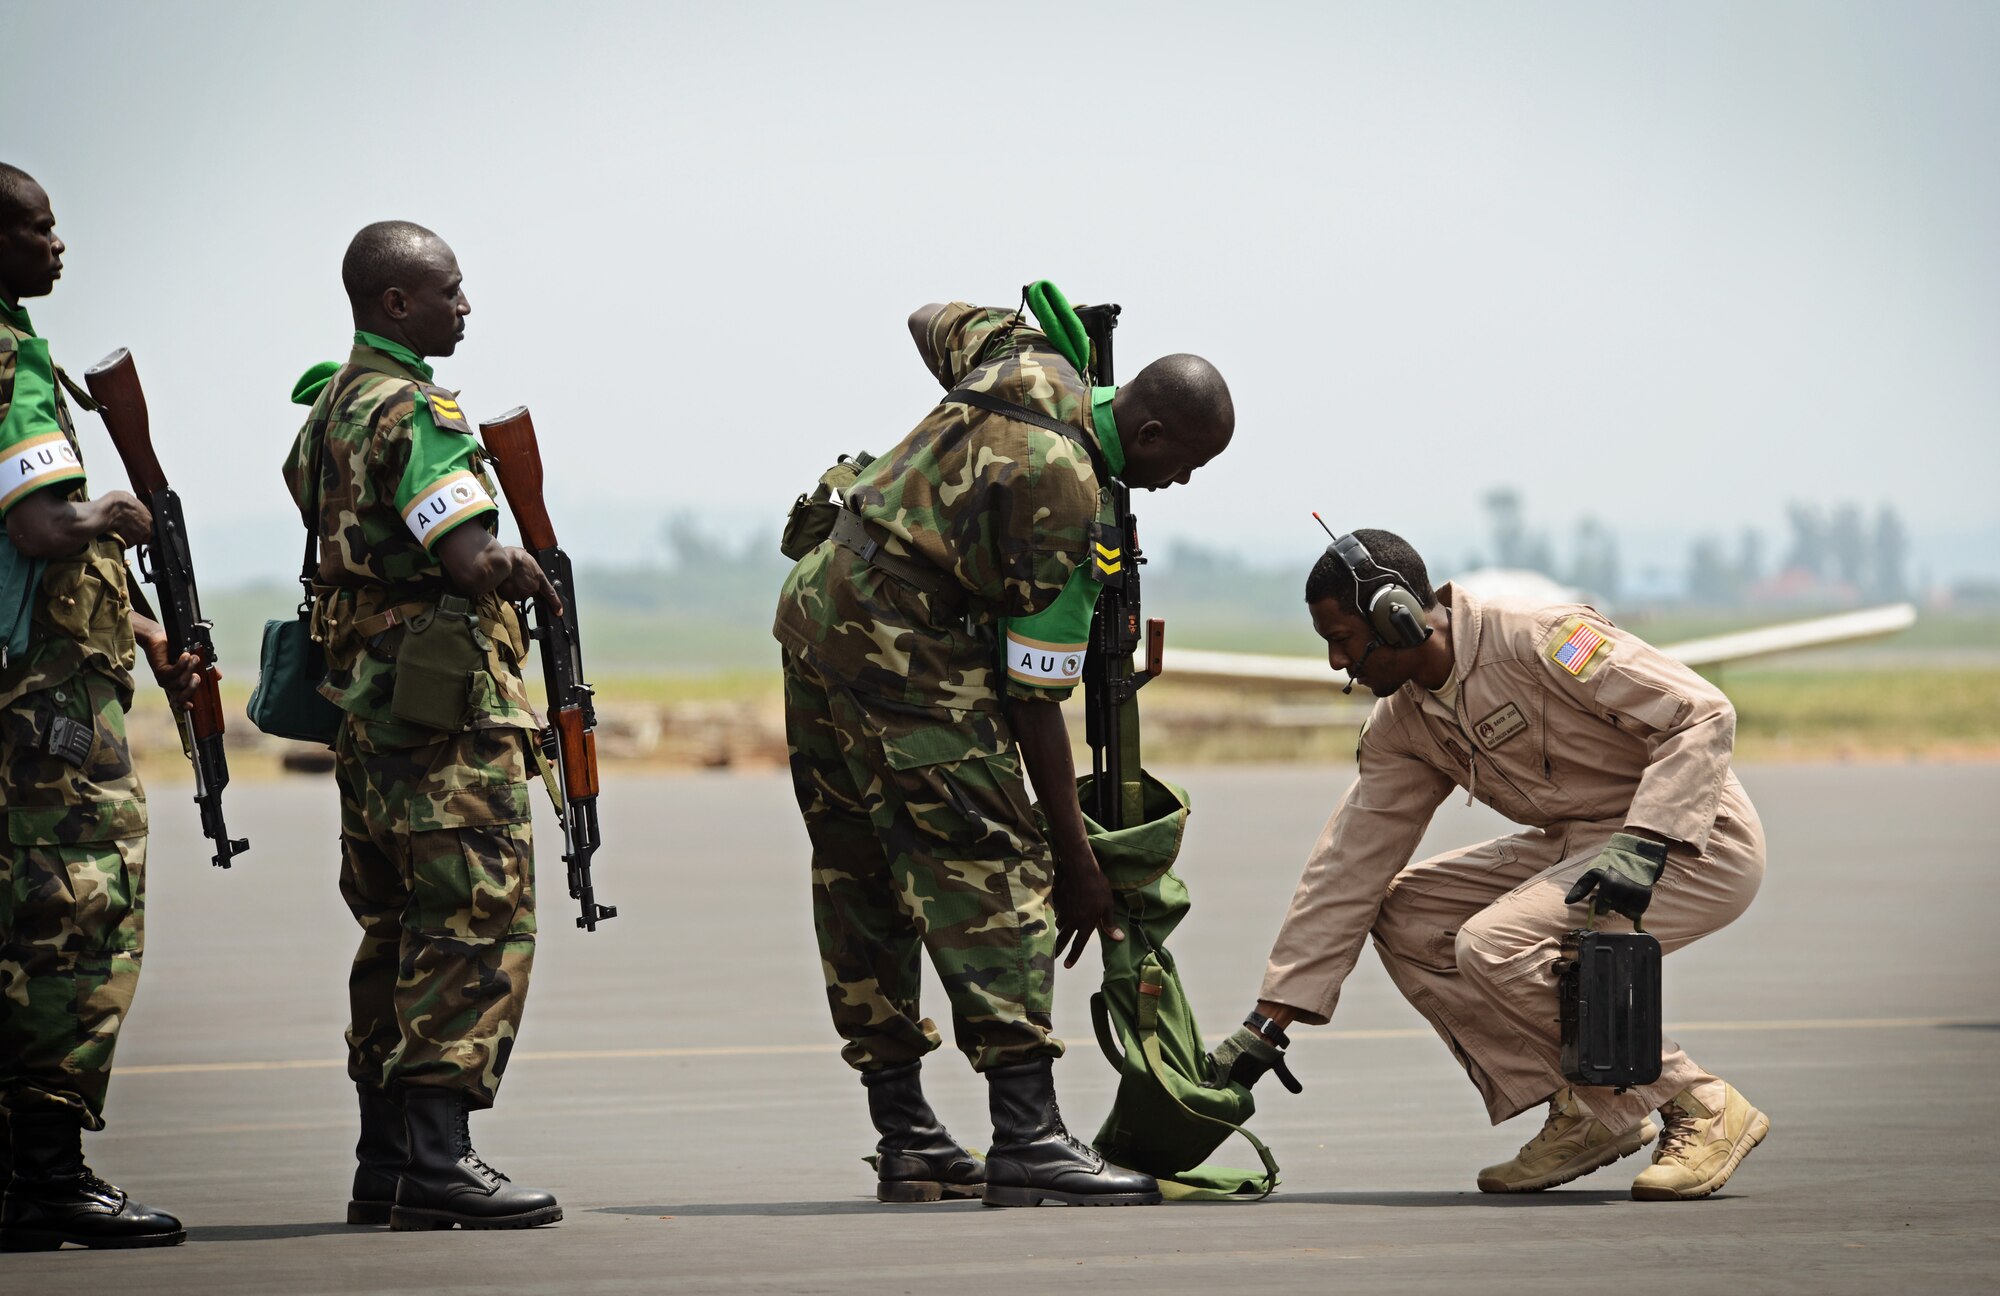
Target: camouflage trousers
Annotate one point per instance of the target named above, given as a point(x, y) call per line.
point(923, 839)
point(72, 899)
point(437, 865)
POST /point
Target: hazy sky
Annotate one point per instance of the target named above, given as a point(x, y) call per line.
point(1673, 265)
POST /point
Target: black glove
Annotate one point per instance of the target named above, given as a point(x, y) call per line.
point(1623, 875)
point(1243, 1059)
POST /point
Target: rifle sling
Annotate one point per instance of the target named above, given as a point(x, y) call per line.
point(850, 529)
point(77, 394)
point(1022, 414)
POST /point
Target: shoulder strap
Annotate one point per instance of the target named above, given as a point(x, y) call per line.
point(79, 395)
point(1022, 414)
point(315, 448)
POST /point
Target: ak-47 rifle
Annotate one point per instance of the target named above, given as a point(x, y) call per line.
point(517, 461)
point(166, 562)
point(1111, 682)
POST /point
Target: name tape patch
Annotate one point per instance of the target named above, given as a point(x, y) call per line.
point(1501, 725)
point(35, 463)
point(1575, 652)
point(456, 497)
point(1033, 661)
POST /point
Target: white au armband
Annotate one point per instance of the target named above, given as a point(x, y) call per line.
point(457, 496)
point(35, 463)
point(1035, 661)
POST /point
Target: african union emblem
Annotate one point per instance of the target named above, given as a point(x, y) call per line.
point(1072, 665)
point(461, 493)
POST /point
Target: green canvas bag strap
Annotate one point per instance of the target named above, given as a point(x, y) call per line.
point(1150, 989)
point(1107, 1043)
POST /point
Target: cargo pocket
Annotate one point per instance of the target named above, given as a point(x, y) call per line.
point(471, 884)
point(960, 783)
point(477, 778)
point(79, 880)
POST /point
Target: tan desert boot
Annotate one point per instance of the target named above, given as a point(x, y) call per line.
point(1571, 1144)
point(1709, 1130)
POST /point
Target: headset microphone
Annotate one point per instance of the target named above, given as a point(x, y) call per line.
point(1373, 644)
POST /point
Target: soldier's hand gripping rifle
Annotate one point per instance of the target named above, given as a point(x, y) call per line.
point(517, 461)
point(1111, 682)
point(165, 561)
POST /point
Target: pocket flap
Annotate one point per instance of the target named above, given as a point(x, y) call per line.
point(471, 806)
point(908, 743)
point(75, 825)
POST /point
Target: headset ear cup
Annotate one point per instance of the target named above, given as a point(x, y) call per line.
point(1398, 618)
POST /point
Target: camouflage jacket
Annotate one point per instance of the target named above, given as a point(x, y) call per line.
point(1003, 508)
point(399, 469)
point(83, 615)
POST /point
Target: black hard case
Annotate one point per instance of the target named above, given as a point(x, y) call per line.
point(1608, 987)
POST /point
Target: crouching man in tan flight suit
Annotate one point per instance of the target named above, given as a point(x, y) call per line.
point(1616, 758)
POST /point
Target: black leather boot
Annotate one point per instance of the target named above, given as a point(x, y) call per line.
point(53, 1197)
point(1034, 1159)
point(380, 1153)
point(445, 1182)
point(917, 1160)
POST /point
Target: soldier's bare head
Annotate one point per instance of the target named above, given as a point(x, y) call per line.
point(404, 284)
point(1173, 417)
point(30, 252)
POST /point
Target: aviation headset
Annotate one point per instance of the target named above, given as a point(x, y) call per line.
point(1393, 612)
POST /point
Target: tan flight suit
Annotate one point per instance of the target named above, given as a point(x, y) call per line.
point(1575, 746)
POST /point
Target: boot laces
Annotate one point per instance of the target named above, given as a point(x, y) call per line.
point(467, 1153)
point(1678, 1132)
point(1552, 1129)
point(1061, 1131)
point(88, 1182)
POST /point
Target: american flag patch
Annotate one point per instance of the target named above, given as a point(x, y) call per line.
point(1574, 653)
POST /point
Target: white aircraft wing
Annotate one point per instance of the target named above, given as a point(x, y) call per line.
point(1870, 623)
point(1847, 627)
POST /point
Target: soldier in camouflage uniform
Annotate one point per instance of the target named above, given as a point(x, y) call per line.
point(436, 855)
point(927, 647)
point(73, 857)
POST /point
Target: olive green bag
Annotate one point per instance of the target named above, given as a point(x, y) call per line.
point(810, 523)
point(287, 702)
point(20, 579)
point(1165, 1119)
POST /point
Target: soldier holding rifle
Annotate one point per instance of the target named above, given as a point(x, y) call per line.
point(424, 650)
point(73, 857)
point(927, 645)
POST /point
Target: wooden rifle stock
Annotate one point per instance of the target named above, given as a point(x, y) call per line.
point(168, 564)
point(114, 385)
point(517, 462)
point(121, 402)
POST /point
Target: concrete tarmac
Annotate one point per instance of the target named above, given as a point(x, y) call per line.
point(678, 1086)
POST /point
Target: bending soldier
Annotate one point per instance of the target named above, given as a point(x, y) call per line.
point(73, 857)
point(1616, 758)
point(968, 539)
point(423, 652)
